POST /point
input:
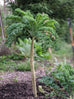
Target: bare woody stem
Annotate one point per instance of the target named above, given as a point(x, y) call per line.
point(2, 30)
point(32, 69)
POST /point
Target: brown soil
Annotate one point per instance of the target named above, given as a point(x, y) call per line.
point(18, 85)
point(19, 91)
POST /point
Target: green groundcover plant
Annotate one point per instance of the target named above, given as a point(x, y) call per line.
point(60, 83)
point(65, 74)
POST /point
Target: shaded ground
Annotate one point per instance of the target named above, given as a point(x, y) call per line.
point(18, 85)
point(19, 91)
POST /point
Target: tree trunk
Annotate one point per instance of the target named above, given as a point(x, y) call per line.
point(2, 30)
point(4, 9)
point(32, 69)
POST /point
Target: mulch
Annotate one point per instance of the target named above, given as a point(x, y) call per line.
point(19, 91)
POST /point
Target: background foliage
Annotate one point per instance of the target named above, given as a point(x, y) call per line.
point(58, 9)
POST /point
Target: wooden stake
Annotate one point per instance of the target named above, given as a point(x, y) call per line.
point(70, 31)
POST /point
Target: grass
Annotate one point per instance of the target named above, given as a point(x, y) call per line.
point(65, 51)
point(7, 65)
point(25, 66)
point(10, 65)
point(15, 79)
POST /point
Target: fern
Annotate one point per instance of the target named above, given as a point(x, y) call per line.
point(24, 47)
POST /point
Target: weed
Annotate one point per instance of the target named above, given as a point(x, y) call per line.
point(15, 79)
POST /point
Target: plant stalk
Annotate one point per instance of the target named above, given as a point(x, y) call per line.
point(32, 69)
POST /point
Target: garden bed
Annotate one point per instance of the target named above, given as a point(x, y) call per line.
point(18, 85)
point(19, 91)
